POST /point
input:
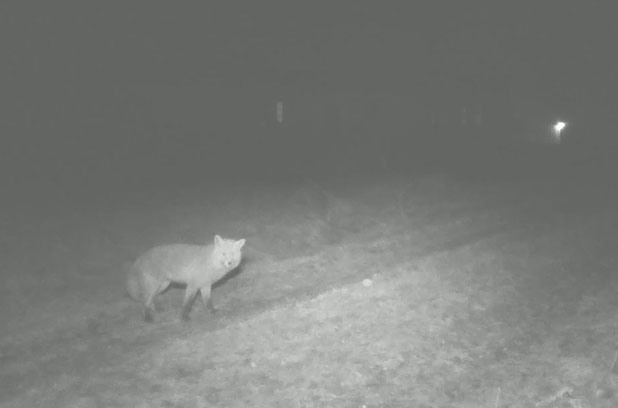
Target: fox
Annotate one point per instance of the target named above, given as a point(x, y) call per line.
point(196, 266)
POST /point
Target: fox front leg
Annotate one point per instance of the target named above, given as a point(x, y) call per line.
point(148, 314)
point(207, 299)
point(188, 303)
point(149, 309)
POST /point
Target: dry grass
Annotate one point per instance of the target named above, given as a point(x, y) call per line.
point(408, 293)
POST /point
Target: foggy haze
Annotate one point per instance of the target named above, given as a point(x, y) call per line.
point(103, 97)
point(393, 204)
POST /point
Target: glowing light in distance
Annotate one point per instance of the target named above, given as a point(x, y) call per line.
point(558, 127)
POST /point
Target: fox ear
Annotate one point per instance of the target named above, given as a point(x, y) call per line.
point(240, 243)
point(218, 240)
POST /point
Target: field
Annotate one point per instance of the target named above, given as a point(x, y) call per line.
point(415, 292)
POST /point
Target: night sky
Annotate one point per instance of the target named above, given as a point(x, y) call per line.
point(90, 85)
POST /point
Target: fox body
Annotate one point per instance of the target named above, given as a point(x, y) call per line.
point(197, 266)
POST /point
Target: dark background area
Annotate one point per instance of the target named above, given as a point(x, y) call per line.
point(99, 100)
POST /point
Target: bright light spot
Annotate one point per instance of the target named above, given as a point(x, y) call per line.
point(558, 126)
point(557, 129)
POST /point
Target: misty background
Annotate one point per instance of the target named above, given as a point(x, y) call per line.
point(101, 99)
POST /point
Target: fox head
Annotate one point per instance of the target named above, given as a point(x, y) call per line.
point(226, 253)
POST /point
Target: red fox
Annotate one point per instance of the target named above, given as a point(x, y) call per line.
point(197, 266)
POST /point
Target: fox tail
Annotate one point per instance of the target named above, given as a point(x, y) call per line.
point(133, 284)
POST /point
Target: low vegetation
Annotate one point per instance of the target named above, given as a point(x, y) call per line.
point(416, 293)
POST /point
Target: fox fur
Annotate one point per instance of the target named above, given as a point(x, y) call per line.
point(196, 266)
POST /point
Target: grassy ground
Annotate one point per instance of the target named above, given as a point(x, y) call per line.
point(413, 293)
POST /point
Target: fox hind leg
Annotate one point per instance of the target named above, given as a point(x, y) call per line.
point(149, 307)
